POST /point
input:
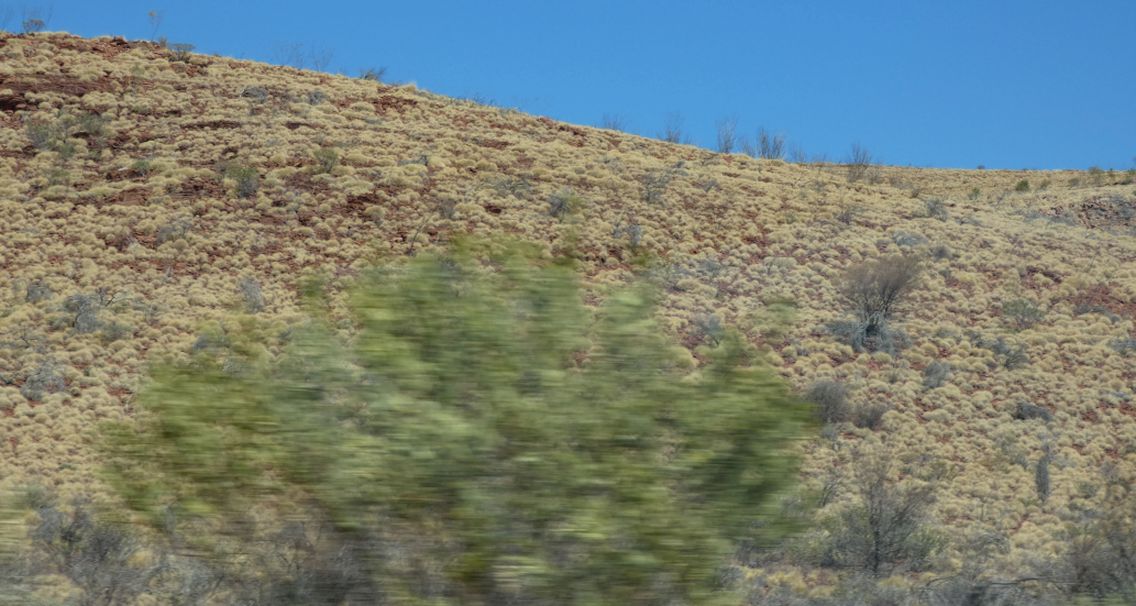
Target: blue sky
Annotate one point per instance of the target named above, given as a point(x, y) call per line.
point(1001, 83)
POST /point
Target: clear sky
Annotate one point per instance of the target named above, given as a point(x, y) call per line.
point(1001, 83)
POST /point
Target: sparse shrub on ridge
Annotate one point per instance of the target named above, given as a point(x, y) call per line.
point(614, 122)
point(374, 74)
point(1022, 186)
point(767, 146)
point(181, 51)
point(727, 135)
point(859, 162)
point(672, 130)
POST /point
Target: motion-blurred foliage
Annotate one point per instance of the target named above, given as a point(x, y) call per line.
point(481, 437)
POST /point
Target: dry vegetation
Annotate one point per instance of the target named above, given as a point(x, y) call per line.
point(147, 194)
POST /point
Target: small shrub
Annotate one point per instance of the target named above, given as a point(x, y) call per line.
point(768, 146)
point(174, 230)
point(246, 177)
point(873, 292)
point(936, 374)
point(564, 202)
point(727, 135)
point(905, 239)
point(37, 291)
point(870, 416)
point(1021, 313)
point(859, 162)
point(1022, 186)
point(84, 312)
point(935, 208)
point(1124, 346)
point(250, 292)
point(888, 528)
point(709, 329)
point(656, 182)
point(115, 331)
point(44, 380)
point(848, 214)
point(141, 167)
point(316, 97)
point(1100, 561)
point(373, 74)
point(326, 159)
point(1026, 411)
point(613, 122)
point(831, 401)
point(941, 251)
point(99, 558)
point(41, 133)
point(633, 232)
point(181, 52)
point(1041, 477)
point(33, 25)
point(258, 94)
point(672, 130)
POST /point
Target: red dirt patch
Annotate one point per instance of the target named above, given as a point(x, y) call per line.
point(67, 85)
point(389, 102)
point(108, 48)
point(213, 124)
point(493, 144)
point(1101, 297)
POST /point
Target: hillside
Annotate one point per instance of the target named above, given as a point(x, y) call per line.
point(147, 194)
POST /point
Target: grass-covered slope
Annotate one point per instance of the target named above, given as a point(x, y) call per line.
point(145, 194)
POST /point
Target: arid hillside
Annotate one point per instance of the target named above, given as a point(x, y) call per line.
point(147, 194)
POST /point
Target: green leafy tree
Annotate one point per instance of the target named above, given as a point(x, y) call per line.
point(480, 437)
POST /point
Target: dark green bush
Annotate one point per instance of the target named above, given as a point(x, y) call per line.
point(481, 438)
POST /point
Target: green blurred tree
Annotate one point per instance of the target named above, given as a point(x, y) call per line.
point(481, 437)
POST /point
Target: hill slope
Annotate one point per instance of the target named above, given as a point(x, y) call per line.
point(146, 194)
